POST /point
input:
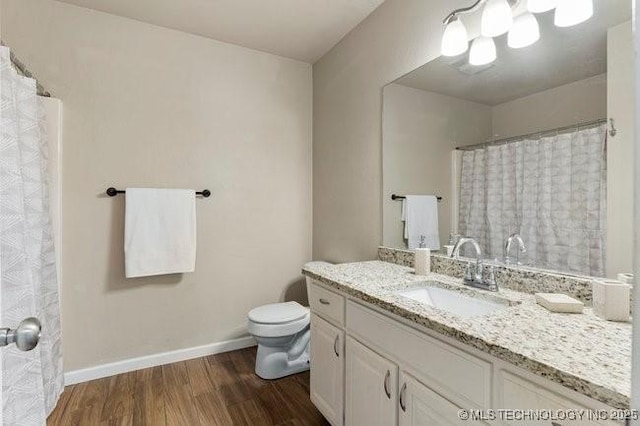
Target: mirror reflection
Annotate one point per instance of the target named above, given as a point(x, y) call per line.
point(529, 155)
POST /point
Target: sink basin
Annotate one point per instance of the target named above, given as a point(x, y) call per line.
point(453, 302)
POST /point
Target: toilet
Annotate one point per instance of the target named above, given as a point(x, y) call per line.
point(283, 335)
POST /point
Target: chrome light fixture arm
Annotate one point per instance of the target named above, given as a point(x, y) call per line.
point(463, 10)
point(471, 9)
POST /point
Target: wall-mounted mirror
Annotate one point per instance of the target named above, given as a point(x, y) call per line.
point(537, 143)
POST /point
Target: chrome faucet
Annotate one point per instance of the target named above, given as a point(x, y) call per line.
point(462, 241)
point(473, 275)
point(507, 248)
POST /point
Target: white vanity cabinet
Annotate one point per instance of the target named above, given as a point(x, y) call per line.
point(371, 383)
point(327, 369)
point(391, 373)
point(361, 387)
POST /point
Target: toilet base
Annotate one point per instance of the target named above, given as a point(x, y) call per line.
point(276, 362)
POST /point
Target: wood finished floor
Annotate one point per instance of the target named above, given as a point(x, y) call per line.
point(216, 390)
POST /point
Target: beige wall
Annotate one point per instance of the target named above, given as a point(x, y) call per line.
point(620, 150)
point(419, 131)
point(572, 103)
point(147, 106)
point(397, 37)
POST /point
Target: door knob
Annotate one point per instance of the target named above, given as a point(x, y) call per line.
point(26, 336)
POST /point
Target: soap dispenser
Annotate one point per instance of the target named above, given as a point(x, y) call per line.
point(422, 258)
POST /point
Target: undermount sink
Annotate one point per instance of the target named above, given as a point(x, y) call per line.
point(453, 302)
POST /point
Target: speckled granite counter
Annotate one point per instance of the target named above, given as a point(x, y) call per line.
point(580, 351)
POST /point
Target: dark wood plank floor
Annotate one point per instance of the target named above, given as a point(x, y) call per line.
point(216, 390)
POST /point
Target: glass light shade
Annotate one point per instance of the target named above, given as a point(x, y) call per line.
point(483, 51)
point(572, 12)
point(539, 6)
point(497, 18)
point(525, 31)
point(455, 39)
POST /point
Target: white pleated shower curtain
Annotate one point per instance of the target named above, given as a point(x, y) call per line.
point(550, 190)
point(31, 381)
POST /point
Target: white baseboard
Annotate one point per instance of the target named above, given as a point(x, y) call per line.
point(132, 364)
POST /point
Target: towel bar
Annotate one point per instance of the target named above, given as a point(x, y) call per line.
point(112, 192)
point(395, 197)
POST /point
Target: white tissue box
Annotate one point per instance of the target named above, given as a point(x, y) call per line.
point(611, 299)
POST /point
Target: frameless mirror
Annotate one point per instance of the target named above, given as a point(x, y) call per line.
point(536, 145)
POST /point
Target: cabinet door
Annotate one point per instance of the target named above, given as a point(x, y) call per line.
point(371, 383)
point(327, 369)
point(518, 393)
point(420, 406)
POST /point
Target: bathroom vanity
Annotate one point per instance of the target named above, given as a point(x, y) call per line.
point(381, 356)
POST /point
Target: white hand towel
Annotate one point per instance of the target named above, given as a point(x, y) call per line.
point(159, 231)
point(420, 216)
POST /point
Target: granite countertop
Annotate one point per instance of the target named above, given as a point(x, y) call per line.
point(579, 351)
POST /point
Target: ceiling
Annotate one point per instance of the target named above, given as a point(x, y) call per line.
point(561, 56)
point(298, 29)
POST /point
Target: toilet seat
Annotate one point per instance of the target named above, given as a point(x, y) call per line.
point(278, 319)
point(278, 313)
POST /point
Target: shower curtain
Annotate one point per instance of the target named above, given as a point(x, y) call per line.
point(31, 381)
point(551, 190)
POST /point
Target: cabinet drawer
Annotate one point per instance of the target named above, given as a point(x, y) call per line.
point(326, 303)
point(455, 374)
point(516, 392)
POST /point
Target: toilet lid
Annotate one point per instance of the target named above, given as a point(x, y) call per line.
point(278, 313)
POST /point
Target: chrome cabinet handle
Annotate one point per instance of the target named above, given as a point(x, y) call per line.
point(403, 403)
point(386, 384)
point(325, 302)
point(335, 346)
point(26, 336)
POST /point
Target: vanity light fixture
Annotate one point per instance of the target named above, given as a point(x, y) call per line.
point(572, 12)
point(497, 18)
point(525, 31)
point(483, 51)
point(455, 40)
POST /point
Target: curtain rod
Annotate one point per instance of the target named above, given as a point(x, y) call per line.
point(537, 134)
point(22, 70)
